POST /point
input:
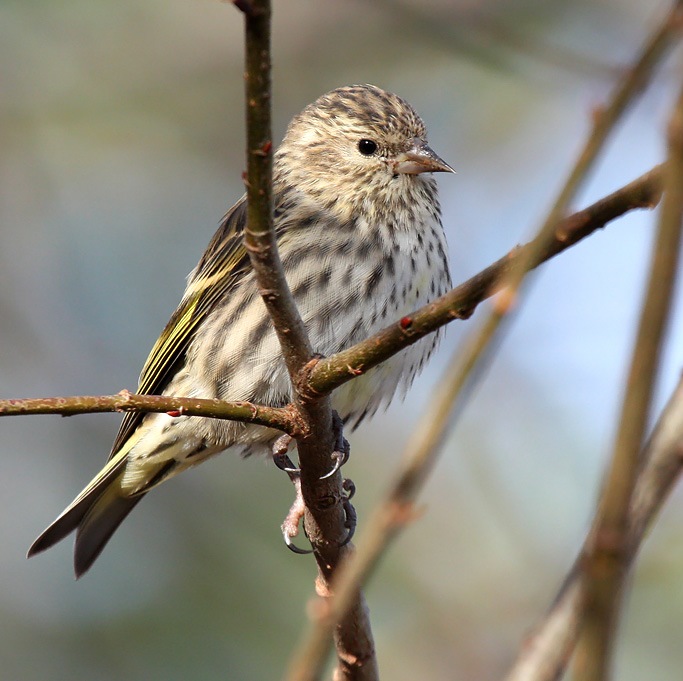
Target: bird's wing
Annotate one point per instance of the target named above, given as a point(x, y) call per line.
point(223, 263)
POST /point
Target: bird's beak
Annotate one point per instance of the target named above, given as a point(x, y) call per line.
point(420, 159)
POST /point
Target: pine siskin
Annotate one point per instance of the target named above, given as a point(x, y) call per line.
point(360, 237)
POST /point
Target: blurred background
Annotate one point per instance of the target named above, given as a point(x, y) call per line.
point(121, 146)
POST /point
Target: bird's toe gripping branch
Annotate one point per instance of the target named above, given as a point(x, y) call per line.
point(281, 457)
point(340, 455)
point(290, 525)
point(342, 448)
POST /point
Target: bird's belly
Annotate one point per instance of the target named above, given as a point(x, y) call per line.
point(341, 304)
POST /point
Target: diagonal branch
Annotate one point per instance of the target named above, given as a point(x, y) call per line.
point(543, 656)
point(390, 511)
point(460, 302)
point(331, 372)
point(606, 558)
point(605, 119)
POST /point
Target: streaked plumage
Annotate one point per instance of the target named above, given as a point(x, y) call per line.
point(361, 242)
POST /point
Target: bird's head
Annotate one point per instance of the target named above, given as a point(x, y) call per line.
point(357, 146)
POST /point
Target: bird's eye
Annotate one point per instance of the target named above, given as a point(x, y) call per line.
point(367, 147)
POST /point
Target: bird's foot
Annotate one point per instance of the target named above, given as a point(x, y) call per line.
point(340, 455)
point(342, 448)
point(290, 525)
point(280, 456)
point(349, 511)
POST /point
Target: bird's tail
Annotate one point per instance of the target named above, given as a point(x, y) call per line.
point(113, 493)
point(95, 514)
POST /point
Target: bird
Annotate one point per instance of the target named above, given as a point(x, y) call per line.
point(359, 232)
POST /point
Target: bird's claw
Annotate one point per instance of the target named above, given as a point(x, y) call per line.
point(281, 458)
point(338, 459)
point(290, 525)
point(340, 455)
point(285, 464)
point(293, 547)
point(342, 448)
point(349, 487)
point(349, 511)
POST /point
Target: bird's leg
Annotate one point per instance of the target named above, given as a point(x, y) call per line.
point(340, 455)
point(290, 525)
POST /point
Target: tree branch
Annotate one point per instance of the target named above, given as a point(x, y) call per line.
point(285, 418)
point(324, 497)
point(605, 560)
point(392, 509)
point(543, 656)
point(259, 235)
point(460, 302)
point(331, 372)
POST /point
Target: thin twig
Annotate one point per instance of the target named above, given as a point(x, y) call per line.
point(459, 303)
point(605, 119)
point(395, 509)
point(543, 656)
point(605, 561)
point(324, 518)
point(259, 236)
point(392, 508)
point(283, 419)
point(331, 372)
